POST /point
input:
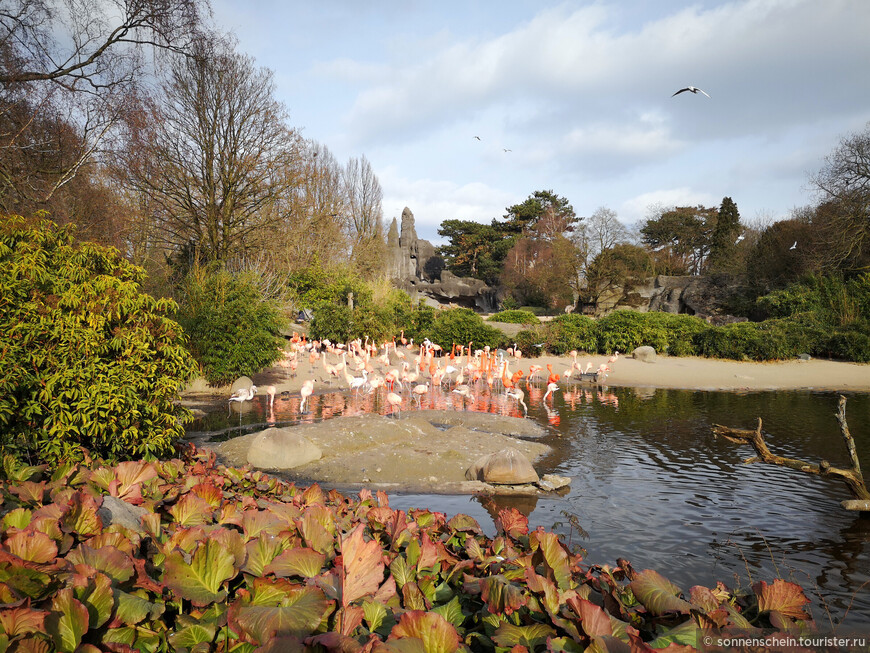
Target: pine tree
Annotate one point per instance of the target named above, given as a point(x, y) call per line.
point(723, 245)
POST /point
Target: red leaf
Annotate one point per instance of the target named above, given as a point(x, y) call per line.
point(32, 546)
point(363, 566)
point(595, 621)
point(784, 597)
point(22, 620)
point(512, 523)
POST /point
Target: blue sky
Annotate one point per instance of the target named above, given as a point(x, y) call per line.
point(580, 92)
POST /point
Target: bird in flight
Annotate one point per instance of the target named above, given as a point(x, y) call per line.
point(506, 150)
point(739, 238)
point(477, 137)
point(691, 89)
point(793, 246)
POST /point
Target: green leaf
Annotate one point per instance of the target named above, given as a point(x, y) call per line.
point(556, 558)
point(437, 635)
point(18, 518)
point(191, 635)
point(67, 622)
point(530, 636)
point(452, 612)
point(375, 611)
point(300, 616)
point(99, 600)
point(200, 580)
point(401, 572)
point(657, 594)
point(303, 562)
point(133, 609)
point(191, 510)
point(686, 634)
point(315, 534)
point(501, 595)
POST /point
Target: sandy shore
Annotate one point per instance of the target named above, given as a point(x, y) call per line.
point(679, 372)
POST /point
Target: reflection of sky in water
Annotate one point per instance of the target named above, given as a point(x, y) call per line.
point(652, 484)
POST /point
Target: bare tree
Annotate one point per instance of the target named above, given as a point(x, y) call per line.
point(74, 64)
point(214, 156)
point(604, 231)
point(365, 215)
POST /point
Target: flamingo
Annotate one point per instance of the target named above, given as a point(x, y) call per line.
point(463, 391)
point(551, 388)
point(270, 391)
point(305, 392)
point(519, 395)
point(613, 358)
point(242, 394)
point(420, 390)
point(395, 402)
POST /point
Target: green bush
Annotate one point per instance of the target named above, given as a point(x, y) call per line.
point(625, 330)
point(515, 317)
point(851, 344)
point(528, 339)
point(568, 332)
point(680, 330)
point(461, 326)
point(315, 286)
point(88, 360)
point(332, 322)
point(233, 330)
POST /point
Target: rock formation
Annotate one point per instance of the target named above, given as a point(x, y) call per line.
point(416, 268)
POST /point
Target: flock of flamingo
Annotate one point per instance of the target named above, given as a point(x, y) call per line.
point(403, 372)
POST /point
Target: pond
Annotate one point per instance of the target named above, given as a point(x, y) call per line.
point(653, 485)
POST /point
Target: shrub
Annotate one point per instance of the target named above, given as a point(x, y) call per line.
point(568, 332)
point(315, 286)
point(332, 322)
point(625, 330)
point(515, 317)
point(851, 344)
point(680, 330)
point(88, 359)
point(461, 326)
point(527, 341)
point(233, 330)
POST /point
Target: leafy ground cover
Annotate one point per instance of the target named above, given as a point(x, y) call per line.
point(231, 559)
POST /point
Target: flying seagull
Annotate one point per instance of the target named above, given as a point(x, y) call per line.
point(739, 238)
point(506, 150)
point(691, 89)
point(477, 137)
point(793, 246)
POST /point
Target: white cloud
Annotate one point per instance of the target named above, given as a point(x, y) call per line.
point(637, 208)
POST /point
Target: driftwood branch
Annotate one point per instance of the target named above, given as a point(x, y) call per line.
point(852, 476)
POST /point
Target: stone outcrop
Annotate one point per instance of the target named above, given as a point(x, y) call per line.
point(416, 268)
point(645, 354)
point(282, 448)
point(505, 467)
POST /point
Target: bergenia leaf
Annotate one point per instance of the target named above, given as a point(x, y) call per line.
point(303, 562)
point(595, 621)
point(18, 518)
point(22, 620)
point(556, 558)
point(464, 523)
point(501, 595)
point(116, 564)
point(98, 598)
point(67, 622)
point(783, 597)
point(32, 546)
point(255, 522)
point(300, 616)
point(530, 636)
point(363, 566)
point(512, 523)
point(190, 510)
point(437, 634)
point(260, 553)
point(657, 594)
point(315, 535)
point(82, 516)
point(133, 609)
point(200, 580)
point(375, 612)
point(190, 636)
point(451, 611)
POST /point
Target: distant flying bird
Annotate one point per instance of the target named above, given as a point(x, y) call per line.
point(506, 150)
point(739, 238)
point(691, 89)
point(477, 137)
point(793, 246)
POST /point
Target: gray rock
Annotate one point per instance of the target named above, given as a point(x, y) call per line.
point(551, 482)
point(282, 448)
point(645, 354)
point(243, 382)
point(804, 357)
point(505, 467)
point(116, 511)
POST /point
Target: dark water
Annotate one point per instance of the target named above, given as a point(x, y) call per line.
point(653, 485)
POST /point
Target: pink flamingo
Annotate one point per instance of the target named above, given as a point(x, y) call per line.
point(305, 392)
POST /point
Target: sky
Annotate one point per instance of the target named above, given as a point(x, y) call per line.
point(580, 93)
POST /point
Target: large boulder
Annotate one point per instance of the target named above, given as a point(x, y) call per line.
point(505, 467)
point(282, 448)
point(645, 354)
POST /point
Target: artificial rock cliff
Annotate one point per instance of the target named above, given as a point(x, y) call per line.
point(416, 268)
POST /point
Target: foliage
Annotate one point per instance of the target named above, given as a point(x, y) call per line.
point(332, 322)
point(233, 330)
point(569, 332)
point(474, 249)
point(851, 343)
point(723, 240)
point(515, 317)
point(618, 269)
point(461, 326)
point(88, 360)
point(685, 231)
point(681, 331)
point(625, 330)
point(836, 301)
point(316, 285)
point(229, 560)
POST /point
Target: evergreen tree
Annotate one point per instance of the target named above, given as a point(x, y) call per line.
point(723, 241)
